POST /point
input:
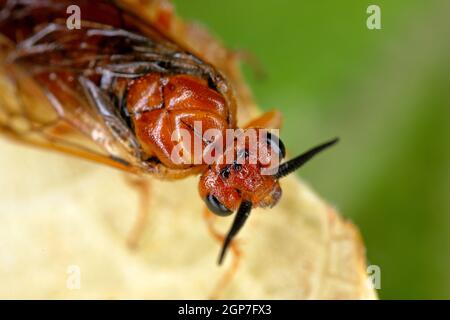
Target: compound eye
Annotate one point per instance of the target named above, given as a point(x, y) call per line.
point(214, 205)
point(276, 144)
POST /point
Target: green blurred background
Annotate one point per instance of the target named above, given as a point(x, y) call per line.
point(385, 92)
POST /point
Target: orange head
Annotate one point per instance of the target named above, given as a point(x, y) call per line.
point(243, 185)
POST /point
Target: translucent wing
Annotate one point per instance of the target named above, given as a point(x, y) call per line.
point(66, 89)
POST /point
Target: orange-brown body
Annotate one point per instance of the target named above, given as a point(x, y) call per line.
point(162, 105)
point(120, 89)
point(159, 106)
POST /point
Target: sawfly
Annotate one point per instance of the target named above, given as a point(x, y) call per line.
point(119, 88)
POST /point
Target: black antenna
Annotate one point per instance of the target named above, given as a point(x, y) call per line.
point(293, 164)
point(239, 221)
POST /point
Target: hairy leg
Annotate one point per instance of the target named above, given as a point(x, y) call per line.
point(142, 187)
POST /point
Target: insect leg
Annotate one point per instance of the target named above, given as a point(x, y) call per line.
point(268, 120)
point(142, 187)
point(229, 274)
point(253, 61)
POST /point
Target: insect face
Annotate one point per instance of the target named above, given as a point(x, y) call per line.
point(242, 186)
point(225, 185)
point(230, 184)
